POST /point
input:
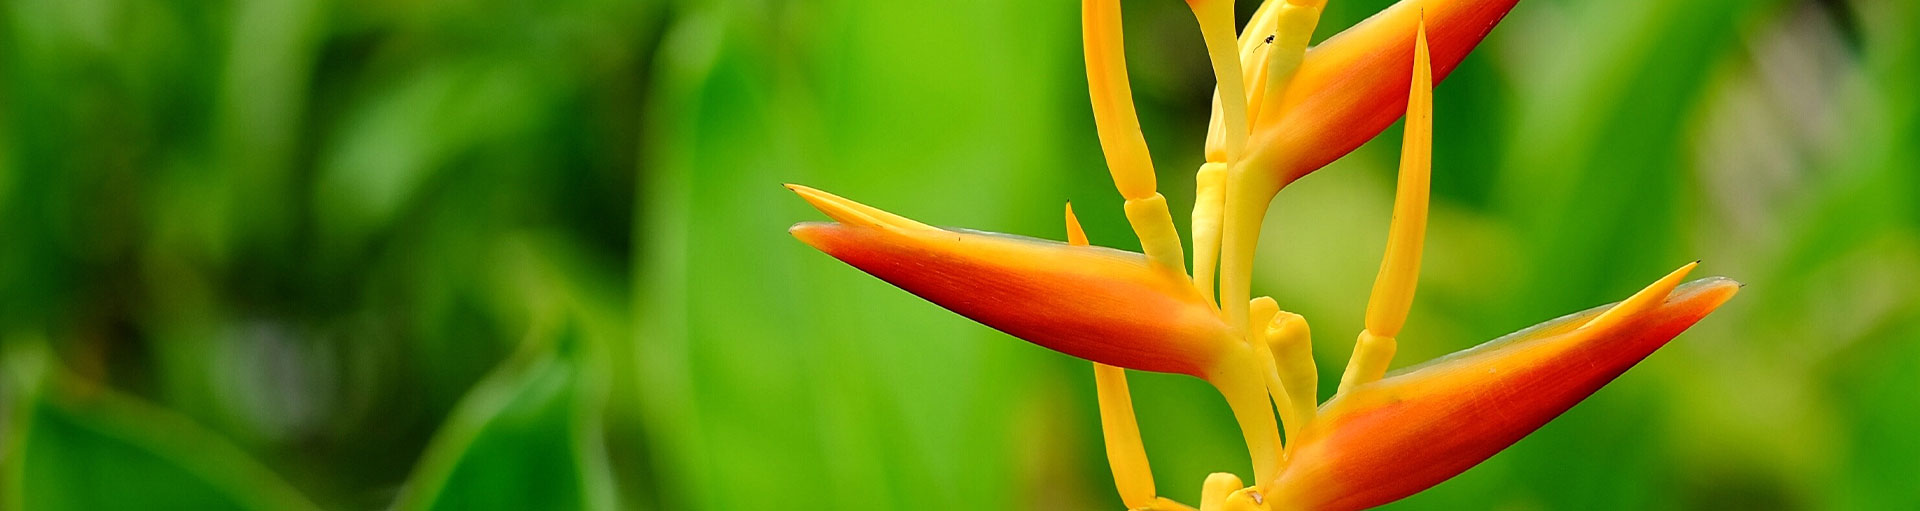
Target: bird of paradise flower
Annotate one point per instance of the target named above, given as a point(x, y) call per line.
point(1281, 111)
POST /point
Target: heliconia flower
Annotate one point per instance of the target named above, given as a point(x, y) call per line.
point(1282, 112)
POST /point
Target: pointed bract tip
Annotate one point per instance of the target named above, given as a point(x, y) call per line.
point(807, 232)
point(1075, 235)
point(853, 213)
point(1648, 298)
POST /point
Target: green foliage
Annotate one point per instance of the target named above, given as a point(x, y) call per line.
point(525, 438)
point(76, 447)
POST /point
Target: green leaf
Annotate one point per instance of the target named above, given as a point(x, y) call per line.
point(83, 447)
point(526, 438)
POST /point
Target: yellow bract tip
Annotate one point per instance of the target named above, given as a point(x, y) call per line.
point(1075, 235)
point(1652, 296)
point(853, 213)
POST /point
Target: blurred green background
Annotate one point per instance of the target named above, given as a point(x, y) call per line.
point(436, 254)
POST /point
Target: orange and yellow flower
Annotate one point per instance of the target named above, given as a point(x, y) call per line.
point(1282, 111)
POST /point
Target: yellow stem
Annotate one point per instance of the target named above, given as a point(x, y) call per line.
point(1247, 195)
point(1239, 379)
point(1371, 353)
point(1153, 223)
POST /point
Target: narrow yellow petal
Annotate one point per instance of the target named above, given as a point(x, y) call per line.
point(1113, 114)
point(1223, 50)
point(1075, 235)
point(854, 213)
point(1393, 288)
point(1400, 267)
point(1125, 453)
point(1652, 296)
point(1119, 127)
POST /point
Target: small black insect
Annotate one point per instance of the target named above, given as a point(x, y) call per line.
point(1269, 38)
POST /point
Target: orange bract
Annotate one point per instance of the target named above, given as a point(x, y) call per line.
point(1094, 303)
point(1394, 437)
point(1354, 85)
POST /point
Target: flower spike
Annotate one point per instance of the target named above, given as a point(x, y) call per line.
point(1097, 304)
point(1391, 438)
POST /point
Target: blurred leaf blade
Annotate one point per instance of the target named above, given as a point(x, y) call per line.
point(526, 437)
point(82, 447)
